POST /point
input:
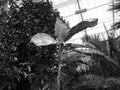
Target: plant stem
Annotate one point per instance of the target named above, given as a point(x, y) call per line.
point(59, 67)
point(59, 76)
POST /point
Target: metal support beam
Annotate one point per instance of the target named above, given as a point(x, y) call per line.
point(82, 19)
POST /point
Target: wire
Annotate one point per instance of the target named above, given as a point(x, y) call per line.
point(113, 13)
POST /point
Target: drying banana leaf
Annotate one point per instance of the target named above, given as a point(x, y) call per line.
point(42, 39)
point(81, 26)
point(83, 44)
point(37, 1)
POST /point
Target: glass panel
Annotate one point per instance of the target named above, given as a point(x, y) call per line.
point(95, 9)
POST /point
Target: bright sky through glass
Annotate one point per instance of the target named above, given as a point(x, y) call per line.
point(95, 9)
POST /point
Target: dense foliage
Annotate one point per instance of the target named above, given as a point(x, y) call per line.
point(22, 65)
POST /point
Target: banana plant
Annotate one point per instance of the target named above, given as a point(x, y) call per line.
point(62, 32)
point(63, 35)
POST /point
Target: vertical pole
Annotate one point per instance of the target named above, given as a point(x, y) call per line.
point(80, 8)
point(82, 19)
point(107, 41)
point(106, 30)
point(113, 14)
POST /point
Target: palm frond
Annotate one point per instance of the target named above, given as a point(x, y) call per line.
point(101, 82)
point(96, 42)
point(73, 56)
point(109, 60)
point(116, 6)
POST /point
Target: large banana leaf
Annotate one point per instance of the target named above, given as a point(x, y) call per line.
point(81, 26)
point(61, 30)
point(109, 60)
point(42, 39)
